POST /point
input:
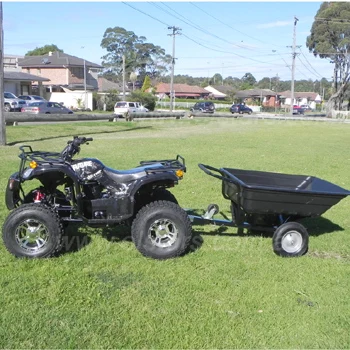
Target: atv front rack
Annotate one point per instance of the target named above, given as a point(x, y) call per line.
point(39, 157)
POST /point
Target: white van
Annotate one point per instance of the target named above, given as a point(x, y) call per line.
point(122, 107)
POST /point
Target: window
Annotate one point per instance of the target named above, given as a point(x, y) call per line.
point(9, 95)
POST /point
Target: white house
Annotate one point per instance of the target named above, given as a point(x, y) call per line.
point(301, 98)
point(215, 93)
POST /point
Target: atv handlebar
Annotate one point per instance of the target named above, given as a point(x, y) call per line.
point(73, 147)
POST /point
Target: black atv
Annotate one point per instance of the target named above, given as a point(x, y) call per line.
point(88, 192)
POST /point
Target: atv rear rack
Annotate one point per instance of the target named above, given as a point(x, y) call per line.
point(168, 164)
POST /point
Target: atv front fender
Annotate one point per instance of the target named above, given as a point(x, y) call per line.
point(12, 195)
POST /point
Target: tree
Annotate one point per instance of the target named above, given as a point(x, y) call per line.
point(330, 39)
point(148, 100)
point(40, 51)
point(265, 83)
point(141, 57)
point(146, 84)
point(248, 81)
point(217, 79)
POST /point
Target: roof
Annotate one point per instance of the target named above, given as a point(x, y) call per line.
point(56, 59)
point(23, 76)
point(255, 93)
point(107, 85)
point(181, 89)
point(225, 89)
point(313, 96)
point(215, 92)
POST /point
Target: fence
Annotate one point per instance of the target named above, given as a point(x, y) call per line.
point(341, 114)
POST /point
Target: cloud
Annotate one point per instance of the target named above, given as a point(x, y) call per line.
point(275, 24)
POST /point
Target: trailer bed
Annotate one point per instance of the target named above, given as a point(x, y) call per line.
point(259, 192)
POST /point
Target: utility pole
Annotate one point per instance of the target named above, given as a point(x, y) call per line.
point(85, 104)
point(276, 92)
point(123, 77)
point(2, 116)
point(175, 31)
point(294, 54)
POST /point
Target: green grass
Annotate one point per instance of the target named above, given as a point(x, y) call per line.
point(231, 292)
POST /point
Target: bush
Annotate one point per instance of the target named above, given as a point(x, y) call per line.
point(109, 100)
point(148, 100)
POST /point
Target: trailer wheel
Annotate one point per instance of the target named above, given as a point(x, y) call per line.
point(161, 230)
point(290, 240)
point(32, 231)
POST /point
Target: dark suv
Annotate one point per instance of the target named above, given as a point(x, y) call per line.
point(204, 107)
point(240, 109)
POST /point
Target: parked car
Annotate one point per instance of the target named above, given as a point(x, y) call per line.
point(31, 98)
point(203, 107)
point(306, 108)
point(12, 102)
point(122, 107)
point(46, 107)
point(298, 110)
point(240, 108)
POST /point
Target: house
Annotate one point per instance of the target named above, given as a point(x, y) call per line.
point(266, 97)
point(17, 82)
point(71, 79)
point(105, 85)
point(181, 91)
point(63, 70)
point(301, 98)
point(215, 93)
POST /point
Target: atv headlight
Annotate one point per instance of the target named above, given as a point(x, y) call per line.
point(27, 173)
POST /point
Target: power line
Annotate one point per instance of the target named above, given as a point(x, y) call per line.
point(192, 24)
point(156, 19)
point(231, 26)
point(309, 64)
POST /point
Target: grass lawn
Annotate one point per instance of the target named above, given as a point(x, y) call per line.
point(230, 292)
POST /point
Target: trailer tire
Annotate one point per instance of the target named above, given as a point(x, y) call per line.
point(33, 231)
point(291, 239)
point(161, 230)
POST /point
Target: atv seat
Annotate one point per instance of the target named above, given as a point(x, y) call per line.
point(122, 176)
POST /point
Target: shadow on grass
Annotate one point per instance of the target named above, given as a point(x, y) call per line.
point(121, 233)
point(73, 240)
point(316, 227)
point(71, 135)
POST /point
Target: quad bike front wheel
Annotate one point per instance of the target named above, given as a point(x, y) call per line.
point(32, 231)
point(161, 230)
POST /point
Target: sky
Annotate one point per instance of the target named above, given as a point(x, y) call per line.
point(230, 38)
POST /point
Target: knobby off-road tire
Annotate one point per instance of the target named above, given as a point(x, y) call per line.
point(290, 240)
point(33, 231)
point(161, 230)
